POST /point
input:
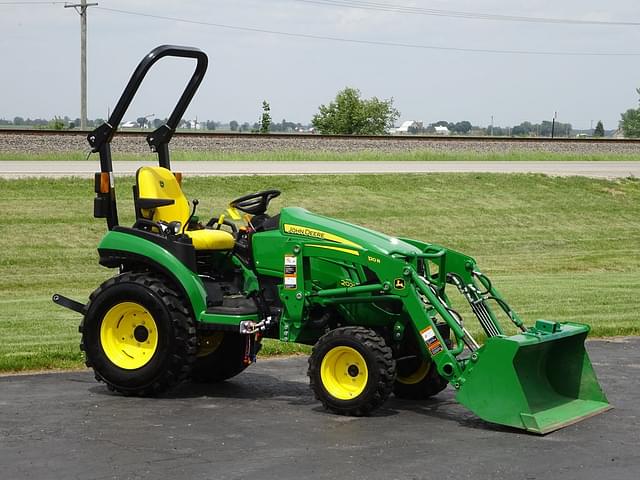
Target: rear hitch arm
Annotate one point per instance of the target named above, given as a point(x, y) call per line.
point(68, 303)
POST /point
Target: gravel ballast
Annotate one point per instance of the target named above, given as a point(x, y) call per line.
point(25, 143)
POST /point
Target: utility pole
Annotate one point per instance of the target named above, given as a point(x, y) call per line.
point(81, 8)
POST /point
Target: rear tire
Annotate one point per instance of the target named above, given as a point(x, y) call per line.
point(138, 335)
point(418, 381)
point(220, 357)
point(351, 371)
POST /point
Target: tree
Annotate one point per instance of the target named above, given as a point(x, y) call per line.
point(285, 126)
point(211, 125)
point(599, 131)
point(57, 123)
point(560, 129)
point(233, 125)
point(349, 114)
point(416, 128)
point(18, 121)
point(265, 119)
point(495, 131)
point(523, 130)
point(462, 127)
point(630, 123)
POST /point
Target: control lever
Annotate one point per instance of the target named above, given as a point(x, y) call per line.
point(193, 212)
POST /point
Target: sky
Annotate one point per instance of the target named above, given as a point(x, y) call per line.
point(40, 58)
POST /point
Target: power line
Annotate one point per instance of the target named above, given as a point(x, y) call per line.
point(384, 7)
point(32, 3)
point(392, 8)
point(370, 42)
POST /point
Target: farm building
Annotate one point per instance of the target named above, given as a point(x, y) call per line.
point(410, 126)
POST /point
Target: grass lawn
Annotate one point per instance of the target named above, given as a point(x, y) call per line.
point(557, 248)
point(424, 155)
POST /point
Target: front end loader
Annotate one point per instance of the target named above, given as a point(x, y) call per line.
point(194, 299)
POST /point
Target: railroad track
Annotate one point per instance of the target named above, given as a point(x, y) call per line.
point(133, 142)
point(301, 136)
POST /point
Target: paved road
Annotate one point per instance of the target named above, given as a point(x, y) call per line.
point(17, 169)
point(265, 424)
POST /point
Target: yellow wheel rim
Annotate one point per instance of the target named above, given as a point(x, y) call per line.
point(417, 376)
point(207, 344)
point(344, 373)
point(129, 335)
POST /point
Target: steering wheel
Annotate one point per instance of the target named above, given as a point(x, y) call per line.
point(255, 203)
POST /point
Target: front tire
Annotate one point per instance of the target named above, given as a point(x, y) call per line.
point(351, 371)
point(138, 335)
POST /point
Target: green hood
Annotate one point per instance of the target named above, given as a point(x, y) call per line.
point(296, 221)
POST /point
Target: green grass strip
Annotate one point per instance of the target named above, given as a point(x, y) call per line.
point(563, 249)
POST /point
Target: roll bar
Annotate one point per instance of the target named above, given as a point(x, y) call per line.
point(158, 140)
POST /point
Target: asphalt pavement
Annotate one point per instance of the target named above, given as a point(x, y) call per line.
point(265, 424)
point(19, 169)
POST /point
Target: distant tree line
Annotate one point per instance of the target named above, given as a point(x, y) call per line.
point(66, 123)
point(462, 128)
point(525, 129)
point(56, 123)
point(283, 127)
point(265, 124)
point(351, 114)
point(528, 129)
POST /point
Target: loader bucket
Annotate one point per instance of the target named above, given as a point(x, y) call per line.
point(539, 381)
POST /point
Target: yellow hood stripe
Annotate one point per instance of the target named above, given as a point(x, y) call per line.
point(339, 249)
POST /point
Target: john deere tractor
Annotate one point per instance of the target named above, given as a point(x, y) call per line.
point(193, 298)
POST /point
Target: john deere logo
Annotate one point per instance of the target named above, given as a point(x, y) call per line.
point(399, 283)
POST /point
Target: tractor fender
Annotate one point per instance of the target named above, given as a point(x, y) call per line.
point(118, 248)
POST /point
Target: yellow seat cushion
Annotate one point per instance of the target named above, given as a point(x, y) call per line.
point(160, 183)
point(211, 239)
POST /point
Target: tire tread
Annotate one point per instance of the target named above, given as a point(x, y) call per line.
point(182, 324)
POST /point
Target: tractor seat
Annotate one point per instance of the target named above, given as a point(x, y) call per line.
point(158, 197)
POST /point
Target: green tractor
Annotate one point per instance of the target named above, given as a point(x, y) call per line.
point(194, 299)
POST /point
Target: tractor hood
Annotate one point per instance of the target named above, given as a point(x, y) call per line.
point(300, 222)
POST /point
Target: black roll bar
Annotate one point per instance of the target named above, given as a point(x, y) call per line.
point(158, 140)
